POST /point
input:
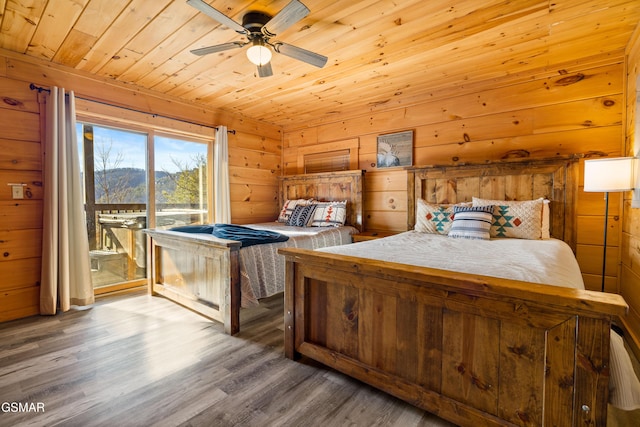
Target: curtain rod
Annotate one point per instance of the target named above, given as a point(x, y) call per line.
point(43, 89)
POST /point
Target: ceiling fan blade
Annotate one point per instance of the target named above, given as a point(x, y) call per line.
point(289, 15)
point(217, 15)
point(300, 54)
point(265, 70)
point(217, 48)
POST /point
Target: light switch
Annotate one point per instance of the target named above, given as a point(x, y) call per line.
point(17, 191)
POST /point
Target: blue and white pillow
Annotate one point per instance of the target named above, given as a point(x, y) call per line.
point(301, 215)
point(473, 222)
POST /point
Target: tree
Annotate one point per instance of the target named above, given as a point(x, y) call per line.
point(190, 182)
point(114, 183)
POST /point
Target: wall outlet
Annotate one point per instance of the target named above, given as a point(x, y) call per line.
point(17, 192)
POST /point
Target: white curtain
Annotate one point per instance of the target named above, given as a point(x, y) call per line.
point(221, 192)
point(66, 267)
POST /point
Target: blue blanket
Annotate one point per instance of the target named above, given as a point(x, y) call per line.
point(248, 236)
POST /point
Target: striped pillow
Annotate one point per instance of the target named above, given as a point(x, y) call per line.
point(472, 222)
point(329, 214)
point(301, 215)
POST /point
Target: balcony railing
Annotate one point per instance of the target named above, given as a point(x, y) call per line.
point(116, 241)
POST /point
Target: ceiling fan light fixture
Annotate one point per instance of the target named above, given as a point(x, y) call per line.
point(259, 54)
point(259, 28)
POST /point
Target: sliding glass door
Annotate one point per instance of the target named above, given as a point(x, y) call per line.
point(181, 190)
point(122, 197)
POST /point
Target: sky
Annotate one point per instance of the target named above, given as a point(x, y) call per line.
point(130, 148)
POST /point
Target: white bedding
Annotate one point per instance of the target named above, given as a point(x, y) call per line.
point(262, 269)
point(539, 261)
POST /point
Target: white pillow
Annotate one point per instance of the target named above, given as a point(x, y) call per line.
point(329, 214)
point(289, 206)
point(520, 219)
point(546, 222)
point(434, 218)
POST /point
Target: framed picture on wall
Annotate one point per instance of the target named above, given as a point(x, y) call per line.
point(395, 149)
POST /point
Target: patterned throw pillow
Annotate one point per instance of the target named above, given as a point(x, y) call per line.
point(434, 218)
point(329, 214)
point(301, 215)
point(513, 218)
point(289, 206)
point(471, 222)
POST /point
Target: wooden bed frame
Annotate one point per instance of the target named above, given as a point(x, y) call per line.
point(202, 272)
point(475, 350)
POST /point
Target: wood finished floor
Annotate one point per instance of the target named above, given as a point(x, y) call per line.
point(136, 360)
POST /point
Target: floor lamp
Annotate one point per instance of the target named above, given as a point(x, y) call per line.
point(605, 176)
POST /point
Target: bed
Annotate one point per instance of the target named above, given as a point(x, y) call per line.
point(216, 276)
point(469, 346)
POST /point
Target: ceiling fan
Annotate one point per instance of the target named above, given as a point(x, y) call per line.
point(260, 28)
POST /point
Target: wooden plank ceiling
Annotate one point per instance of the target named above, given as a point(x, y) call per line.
point(382, 53)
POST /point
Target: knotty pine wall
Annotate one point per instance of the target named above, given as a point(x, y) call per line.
point(630, 245)
point(20, 220)
point(254, 155)
point(577, 109)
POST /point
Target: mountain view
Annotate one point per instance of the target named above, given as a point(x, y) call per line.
point(128, 185)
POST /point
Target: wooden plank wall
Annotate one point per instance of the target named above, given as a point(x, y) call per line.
point(255, 152)
point(577, 108)
point(630, 245)
point(20, 220)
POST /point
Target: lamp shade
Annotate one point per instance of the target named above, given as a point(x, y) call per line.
point(259, 54)
point(604, 175)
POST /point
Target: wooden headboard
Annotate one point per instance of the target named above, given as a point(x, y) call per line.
point(329, 186)
point(554, 179)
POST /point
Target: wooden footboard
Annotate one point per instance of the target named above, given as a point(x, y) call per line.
point(477, 351)
point(198, 271)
